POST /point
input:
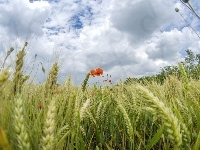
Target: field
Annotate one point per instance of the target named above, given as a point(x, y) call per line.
point(53, 116)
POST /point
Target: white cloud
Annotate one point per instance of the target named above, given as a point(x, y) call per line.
point(125, 38)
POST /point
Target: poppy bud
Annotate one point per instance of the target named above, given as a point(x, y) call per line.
point(176, 9)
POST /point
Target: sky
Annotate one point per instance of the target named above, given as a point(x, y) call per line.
point(125, 38)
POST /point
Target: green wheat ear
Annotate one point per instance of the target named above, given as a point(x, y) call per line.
point(126, 119)
point(8, 54)
point(85, 82)
point(48, 138)
point(19, 79)
point(184, 77)
point(4, 76)
point(157, 107)
point(21, 133)
point(52, 79)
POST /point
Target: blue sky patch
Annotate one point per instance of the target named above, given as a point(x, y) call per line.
point(75, 19)
point(76, 23)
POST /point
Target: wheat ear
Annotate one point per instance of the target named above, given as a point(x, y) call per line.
point(83, 109)
point(4, 76)
point(170, 120)
point(85, 82)
point(18, 75)
point(20, 129)
point(52, 79)
point(184, 77)
point(126, 119)
point(8, 54)
point(49, 127)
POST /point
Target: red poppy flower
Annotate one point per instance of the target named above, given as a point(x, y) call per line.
point(93, 73)
point(109, 81)
point(96, 72)
point(99, 71)
point(40, 105)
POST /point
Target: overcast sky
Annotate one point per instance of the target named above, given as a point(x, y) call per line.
point(129, 38)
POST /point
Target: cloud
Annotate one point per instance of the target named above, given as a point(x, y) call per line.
point(125, 38)
point(141, 19)
point(20, 19)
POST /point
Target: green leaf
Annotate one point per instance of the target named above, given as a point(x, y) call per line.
point(197, 143)
point(63, 139)
point(198, 121)
point(156, 138)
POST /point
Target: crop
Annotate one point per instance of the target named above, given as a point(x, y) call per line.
point(124, 116)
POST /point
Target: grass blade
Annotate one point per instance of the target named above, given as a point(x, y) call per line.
point(197, 143)
point(156, 138)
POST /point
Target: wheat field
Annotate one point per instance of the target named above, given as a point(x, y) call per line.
point(131, 116)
